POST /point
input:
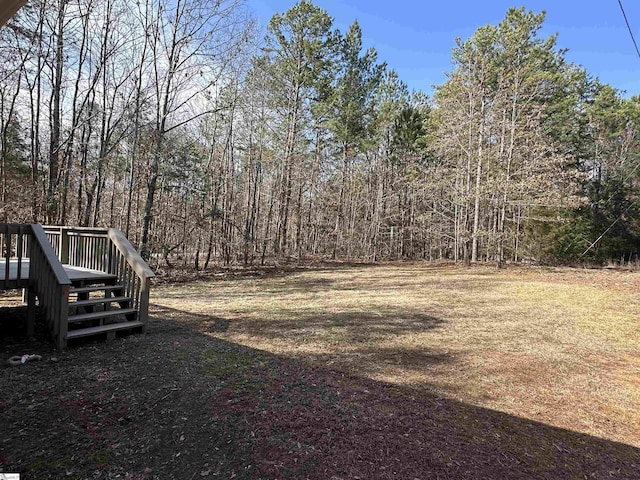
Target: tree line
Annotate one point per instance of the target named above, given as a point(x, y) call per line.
point(172, 121)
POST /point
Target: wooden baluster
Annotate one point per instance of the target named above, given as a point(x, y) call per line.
point(19, 254)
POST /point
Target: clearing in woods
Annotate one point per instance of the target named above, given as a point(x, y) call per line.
point(560, 346)
point(393, 371)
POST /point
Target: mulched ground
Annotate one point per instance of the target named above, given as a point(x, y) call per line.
point(177, 403)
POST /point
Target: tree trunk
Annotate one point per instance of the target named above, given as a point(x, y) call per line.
point(477, 192)
point(55, 120)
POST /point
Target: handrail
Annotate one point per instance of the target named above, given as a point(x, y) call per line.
point(137, 288)
point(51, 284)
point(57, 228)
point(131, 254)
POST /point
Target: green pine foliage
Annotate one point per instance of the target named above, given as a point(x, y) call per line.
point(186, 128)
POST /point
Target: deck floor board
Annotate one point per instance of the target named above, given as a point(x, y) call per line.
point(74, 273)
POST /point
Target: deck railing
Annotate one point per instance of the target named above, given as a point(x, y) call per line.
point(49, 281)
point(132, 271)
point(14, 249)
point(108, 251)
point(44, 251)
point(81, 246)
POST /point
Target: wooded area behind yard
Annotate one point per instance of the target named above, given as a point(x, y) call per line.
point(175, 123)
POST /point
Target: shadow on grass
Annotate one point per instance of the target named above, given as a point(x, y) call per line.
point(351, 277)
point(286, 270)
point(181, 275)
point(350, 328)
point(177, 403)
point(348, 340)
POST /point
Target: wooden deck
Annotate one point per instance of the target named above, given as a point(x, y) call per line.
point(75, 274)
point(65, 266)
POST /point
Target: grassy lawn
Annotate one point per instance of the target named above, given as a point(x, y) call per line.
point(558, 346)
point(398, 371)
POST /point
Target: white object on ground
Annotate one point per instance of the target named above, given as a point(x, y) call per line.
point(19, 360)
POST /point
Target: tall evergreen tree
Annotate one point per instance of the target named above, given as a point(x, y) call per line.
point(492, 113)
point(352, 111)
point(299, 56)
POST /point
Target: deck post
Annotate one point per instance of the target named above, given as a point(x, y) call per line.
point(63, 254)
point(143, 309)
point(31, 312)
point(63, 314)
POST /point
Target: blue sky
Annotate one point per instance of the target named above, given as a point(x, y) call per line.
point(415, 38)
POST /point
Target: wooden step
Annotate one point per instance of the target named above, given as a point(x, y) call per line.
point(95, 288)
point(96, 315)
point(99, 301)
point(91, 277)
point(84, 332)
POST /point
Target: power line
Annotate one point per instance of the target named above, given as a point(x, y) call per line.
point(629, 28)
point(614, 222)
point(606, 231)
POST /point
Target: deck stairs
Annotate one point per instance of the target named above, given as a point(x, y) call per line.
point(100, 304)
point(86, 281)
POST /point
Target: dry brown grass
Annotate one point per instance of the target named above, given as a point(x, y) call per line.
point(559, 346)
